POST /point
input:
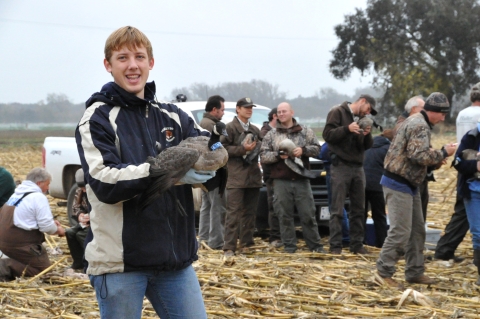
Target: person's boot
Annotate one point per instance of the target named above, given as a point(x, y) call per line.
point(476, 262)
point(5, 271)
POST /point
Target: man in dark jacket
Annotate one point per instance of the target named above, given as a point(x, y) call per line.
point(137, 252)
point(275, 238)
point(373, 167)
point(292, 189)
point(244, 180)
point(213, 210)
point(347, 144)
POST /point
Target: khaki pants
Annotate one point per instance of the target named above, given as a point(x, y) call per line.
point(240, 218)
point(406, 235)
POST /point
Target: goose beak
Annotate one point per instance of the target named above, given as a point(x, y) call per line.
point(224, 132)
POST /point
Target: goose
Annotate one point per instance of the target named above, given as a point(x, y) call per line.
point(249, 137)
point(200, 153)
point(365, 122)
point(294, 163)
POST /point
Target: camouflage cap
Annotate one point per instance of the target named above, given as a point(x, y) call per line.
point(437, 102)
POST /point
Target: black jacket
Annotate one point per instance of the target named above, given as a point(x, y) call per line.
point(373, 163)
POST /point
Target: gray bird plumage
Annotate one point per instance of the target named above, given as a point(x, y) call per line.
point(294, 163)
point(171, 164)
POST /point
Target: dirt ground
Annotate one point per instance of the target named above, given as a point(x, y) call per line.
point(268, 283)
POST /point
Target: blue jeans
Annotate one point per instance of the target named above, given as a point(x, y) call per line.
point(345, 225)
point(173, 294)
point(472, 207)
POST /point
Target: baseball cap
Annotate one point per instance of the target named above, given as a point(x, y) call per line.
point(246, 101)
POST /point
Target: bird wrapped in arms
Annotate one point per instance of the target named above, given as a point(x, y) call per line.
point(294, 163)
point(472, 155)
point(167, 169)
point(249, 138)
point(365, 123)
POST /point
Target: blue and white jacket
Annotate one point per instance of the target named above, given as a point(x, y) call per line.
point(116, 134)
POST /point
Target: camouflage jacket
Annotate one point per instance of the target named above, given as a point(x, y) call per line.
point(80, 204)
point(410, 152)
point(301, 135)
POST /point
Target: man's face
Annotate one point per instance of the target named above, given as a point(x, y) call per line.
point(130, 69)
point(364, 108)
point(284, 113)
point(244, 112)
point(44, 185)
point(435, 117)
point(218, 113)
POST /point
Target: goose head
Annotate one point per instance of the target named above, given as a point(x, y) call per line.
point(218, 129)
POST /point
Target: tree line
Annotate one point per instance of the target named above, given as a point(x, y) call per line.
point(57, 108)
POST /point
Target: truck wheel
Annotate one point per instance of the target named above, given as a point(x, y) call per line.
point(70, 200)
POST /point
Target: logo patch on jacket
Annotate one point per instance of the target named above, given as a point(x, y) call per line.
point(168, 133)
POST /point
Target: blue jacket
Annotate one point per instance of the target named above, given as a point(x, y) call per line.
point(373, 163)
point(465, 168)
point(116, 134)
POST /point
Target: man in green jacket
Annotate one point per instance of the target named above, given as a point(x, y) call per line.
point(7, 185)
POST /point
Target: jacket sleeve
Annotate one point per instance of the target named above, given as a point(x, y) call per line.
point(465, 167)
point(111, 180)
point(334, 132)
point(419, 150)
point(367, 141)
point(268, 153)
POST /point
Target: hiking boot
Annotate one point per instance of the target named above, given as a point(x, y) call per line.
point(456, 259)
point(276, 243)
point(362, 251)
point(392, 283)
point(422, 279)
point(336, 251)
point(229, 253)
point(319, 250)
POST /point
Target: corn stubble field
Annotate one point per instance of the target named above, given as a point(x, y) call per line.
point(267, 283)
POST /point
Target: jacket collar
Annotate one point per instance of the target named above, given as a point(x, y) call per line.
point(210, 117)
point(112, 94)
point(425, 116)
point(293, 129)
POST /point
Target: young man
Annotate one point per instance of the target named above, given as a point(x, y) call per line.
point(137, 252)
point(406, 164)
point(244, 181)
point(347, 144)
point(290, 188)
point(25, 217)
point(213, 210)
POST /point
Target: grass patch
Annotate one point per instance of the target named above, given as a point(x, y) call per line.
point(31, 138)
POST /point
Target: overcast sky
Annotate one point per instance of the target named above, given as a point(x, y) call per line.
point(56, 46)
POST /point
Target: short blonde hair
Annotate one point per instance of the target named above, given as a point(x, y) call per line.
point(127, 36)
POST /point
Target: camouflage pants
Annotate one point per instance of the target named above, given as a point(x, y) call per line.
point(406, 235)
